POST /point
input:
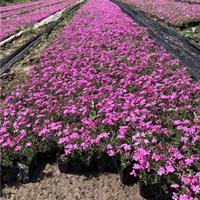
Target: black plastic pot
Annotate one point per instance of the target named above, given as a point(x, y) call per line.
point(113, 164)
point(125, 176)
point(99, 163)
point(166, 196)
point(63, 164)
point(151, 191)
point(9, 174)
point(74, 166)
point(39, 162)
point(48, 156)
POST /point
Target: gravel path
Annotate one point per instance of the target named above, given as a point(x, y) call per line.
point(53, 185)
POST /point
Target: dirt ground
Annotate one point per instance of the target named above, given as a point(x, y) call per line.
point(12, 46)
point(53, 185)
point(18, 73)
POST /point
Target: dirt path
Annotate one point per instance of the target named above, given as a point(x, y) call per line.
point(54, 185)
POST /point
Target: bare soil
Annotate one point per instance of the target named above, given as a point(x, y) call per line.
point(53, 185)
point(11, 47)
point(18, 73)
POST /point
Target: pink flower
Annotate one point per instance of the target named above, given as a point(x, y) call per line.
point(74, 136)
point(28, 144)
point(156, 157)
point(110, 150)
point(18, 148)
point(63, 140)
point(169, 168)
point(161, 171)
point(189, 161)
point(185, 197)
point(186, 180)
point(174, 186)
point(122, 132)
point(196, 188)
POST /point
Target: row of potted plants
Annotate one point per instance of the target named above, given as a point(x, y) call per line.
point(14, 12)
point(23, 171)
point(172, 12)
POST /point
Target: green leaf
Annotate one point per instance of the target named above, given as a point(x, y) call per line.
point(92, 114)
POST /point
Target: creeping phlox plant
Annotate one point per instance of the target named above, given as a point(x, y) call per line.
point(22, 5)
point(11, 25)
point(170, 11)
point(105, 86)
point(190, 1)
point(32, 6)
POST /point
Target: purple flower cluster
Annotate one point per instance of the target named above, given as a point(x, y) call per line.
point(170, 11)
point(42, 4)
point(105, 86)
point(11, 25)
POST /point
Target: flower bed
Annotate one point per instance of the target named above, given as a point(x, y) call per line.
point(11, 25)
point(171, 12)
point(104, 86)
point(20, 6)
point(190, 1)
point(30, 8)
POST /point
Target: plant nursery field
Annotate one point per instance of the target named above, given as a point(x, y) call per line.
point(100, 99)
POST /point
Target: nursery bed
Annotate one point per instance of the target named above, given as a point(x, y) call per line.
point(19, 53)
point(12, 25)
point(170, 12)
point(20, 11)
point(190, 1)
point(31, 41)
point(186, 51)
point(105, 97)
point(17, 74)
point(181, 17)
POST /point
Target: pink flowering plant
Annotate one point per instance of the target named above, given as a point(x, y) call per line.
point(28, 8)
point(107, 87)
point(10, 25)
point(172, 12)
point(172, 156)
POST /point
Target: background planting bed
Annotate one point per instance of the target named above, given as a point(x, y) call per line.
point(171, 12)
point(6, 63)
point(182, 48)
point(18, 11)
point(11, 25)
point(182, 16)
point(190, 1)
